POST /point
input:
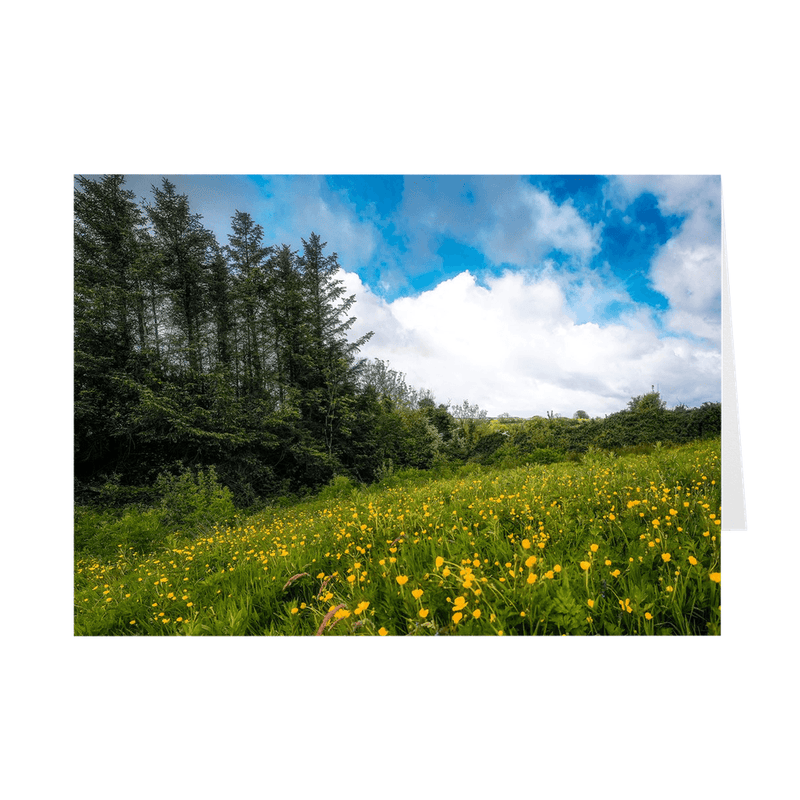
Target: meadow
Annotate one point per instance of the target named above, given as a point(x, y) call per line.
point(610, 545)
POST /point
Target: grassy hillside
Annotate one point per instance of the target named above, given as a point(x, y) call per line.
point(609, 545)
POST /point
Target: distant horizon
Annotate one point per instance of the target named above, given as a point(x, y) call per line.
point(523, 295)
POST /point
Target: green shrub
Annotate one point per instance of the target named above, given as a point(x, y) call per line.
point(193, 502)
point(103, 533)
point(545, 455)
point(340, 487)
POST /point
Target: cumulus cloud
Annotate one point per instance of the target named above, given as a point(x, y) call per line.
point(300, 205)
point(504, 217)
point(515, 346)
point(687, 269)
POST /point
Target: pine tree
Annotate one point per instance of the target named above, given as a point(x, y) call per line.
point(185, 250)
point(288, 316)
point(110, 318)
point(250, 263)
point(222, 312)
point(331, 365)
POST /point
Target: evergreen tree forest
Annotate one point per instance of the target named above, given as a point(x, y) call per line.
point(192, 354)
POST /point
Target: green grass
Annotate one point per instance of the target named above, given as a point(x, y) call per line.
point(617, 545)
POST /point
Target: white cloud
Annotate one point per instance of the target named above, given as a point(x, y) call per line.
point(687, 269)
point(527, 224)
point(507, 219)
point(515, 346)
point(299, 206)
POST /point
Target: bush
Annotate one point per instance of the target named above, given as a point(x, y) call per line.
point(193, 502)
point(544, 455)
point(103, 533)
point(341, 487)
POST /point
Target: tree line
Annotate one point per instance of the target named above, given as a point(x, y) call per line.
point(189, 353)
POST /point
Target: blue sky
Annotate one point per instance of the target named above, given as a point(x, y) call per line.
point(525, 294)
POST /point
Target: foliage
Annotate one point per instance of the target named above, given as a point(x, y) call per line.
point(193, 501)
point(103, 534)
point(615, 545)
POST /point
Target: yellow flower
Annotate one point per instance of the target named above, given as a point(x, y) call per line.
point(445, 572)
point(457, 617)
point(363, 606)
point(648, 615)
point(590, 603)
point(585, 565)
point(530, 562)
point(402, 579)
point(526, 544)
point(459, 603)
point(557, 568)
point(549, 574)
point(693, 561)
point(611, 517)
point(476, 613)
point(294, 610)
point(665, 557)
point(594, 547)
point(716, 577)
point(382, 632)
point(423, 612)
point(439, 561)
point(656, 523)
point(417, 593)
point(351, 578)
point(532, 578)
